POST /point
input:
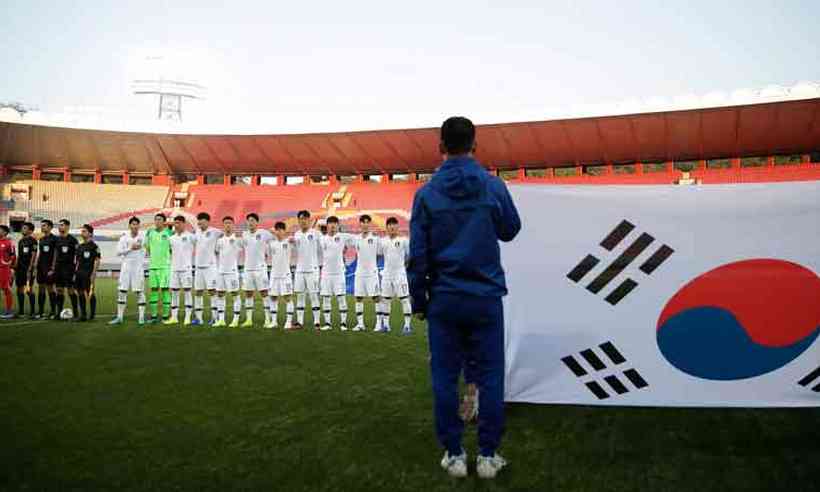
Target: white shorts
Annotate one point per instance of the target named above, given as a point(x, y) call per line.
point(132, 278)
point(181, 280)
point(280, 286)
point(333, 285)
point(227, 282)
point(395, 286)
point(205, 278)
point(255, 280)
point(306, 282)
point(366, 286)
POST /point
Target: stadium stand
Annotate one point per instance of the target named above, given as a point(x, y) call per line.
point(102, 205)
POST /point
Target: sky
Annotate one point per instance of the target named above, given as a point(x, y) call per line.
point(305, 66)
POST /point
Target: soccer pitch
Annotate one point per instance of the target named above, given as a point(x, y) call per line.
point(87, 406)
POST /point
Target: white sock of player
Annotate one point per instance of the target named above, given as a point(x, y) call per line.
point(315, 307)
point(220, 308)
point(266, 304)
point(174, 303)
point(199, 301)
point(342, 301)
point(273, 308)
point(141, 306)
point(189, 304)
point(300, 308)
point(384, 312)
point(408, 310)
point(289, 311)
point(360, 313)
point(326, 306)
point(122, 299)
point(214, 307)
point(237, 305)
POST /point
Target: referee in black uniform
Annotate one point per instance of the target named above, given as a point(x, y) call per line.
point(88, 260)
point(65, 266)
point(46, 247)
point(24, 271)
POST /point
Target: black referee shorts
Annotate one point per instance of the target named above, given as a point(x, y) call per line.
point(82, 281)
point(64, 278)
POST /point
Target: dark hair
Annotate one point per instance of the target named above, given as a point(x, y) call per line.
point(332, 220)
point(457, 135)
point(365, 218)
point(47, 222)
point(5, 228)
point(203, 216)
point(65, 222)
point(252, 215)
point(228, 217)
point(392, 220)
point(179, 218)
point(90, 229)
point(132, 220)
point(161, 216)
point(280, 226)
point(323, 229)
point(303, 213)
point(29, 225)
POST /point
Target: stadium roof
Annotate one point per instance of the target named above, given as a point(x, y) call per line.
point(786, 126)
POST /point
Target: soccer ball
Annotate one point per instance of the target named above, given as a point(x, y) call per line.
point(66, 313)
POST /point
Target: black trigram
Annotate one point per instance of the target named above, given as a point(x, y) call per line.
point(811, 378)
point(620, 263)
point(598, 364)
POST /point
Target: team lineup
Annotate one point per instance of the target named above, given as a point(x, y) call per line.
point(176, 268)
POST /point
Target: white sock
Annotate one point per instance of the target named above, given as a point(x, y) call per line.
point(360, 313)
point(214, 306)
point(408, 310)
point(122, 298)
point(300, 308)
point(249, 301)
point(220, 308)
point(315, 306)
point(174, 303)
point(189, 303)
point(384, 312)
point(326, 307)
point(237, 305)
point(199, 301)
point(289, 311)
point(342, 302)
point(266, 307)
point(273, 306)
point(141, 306)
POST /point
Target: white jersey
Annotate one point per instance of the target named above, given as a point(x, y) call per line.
point(131, 258)
point(367, 248)
point(333, 248)
point(307, 250)
point(205, 246)
point(256, 245)
point(395, 251)
point(182, 251)
point(227, 254)
point(280, 254)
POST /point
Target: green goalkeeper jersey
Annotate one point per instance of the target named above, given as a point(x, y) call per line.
point(158, 245)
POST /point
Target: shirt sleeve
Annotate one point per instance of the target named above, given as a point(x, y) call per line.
point(419, 262)
point(505, 215)
point(122, 246)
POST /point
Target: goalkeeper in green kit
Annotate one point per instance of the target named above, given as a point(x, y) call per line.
point(158, 247)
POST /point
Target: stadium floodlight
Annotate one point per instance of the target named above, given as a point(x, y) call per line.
point(171, 91)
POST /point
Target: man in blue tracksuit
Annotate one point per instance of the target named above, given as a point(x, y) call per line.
point(456, 283)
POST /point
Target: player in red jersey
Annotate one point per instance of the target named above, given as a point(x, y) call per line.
point(7, 259)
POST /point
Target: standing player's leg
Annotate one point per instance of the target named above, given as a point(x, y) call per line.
point(199, 303)
point(325, 290)
point(300, 288)
point(32, 298)
point(273, 310)
point(233, 288)
point(388, 291)
point(5, 285)
point(165, 284)
point(248, 286)
point(212, 297)
point(219, 302)
point(341, 301)
point(315, 306)
point(154, 296)
point(21, 280)
point(72, 294)
point(187, 280)
point(175, 285)
point(123, 282)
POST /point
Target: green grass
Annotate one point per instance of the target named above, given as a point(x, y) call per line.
point(93, 407)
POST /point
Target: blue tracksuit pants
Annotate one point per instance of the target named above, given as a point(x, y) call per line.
point(462, 328)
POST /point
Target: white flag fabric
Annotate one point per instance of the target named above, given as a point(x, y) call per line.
point(665, 295)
